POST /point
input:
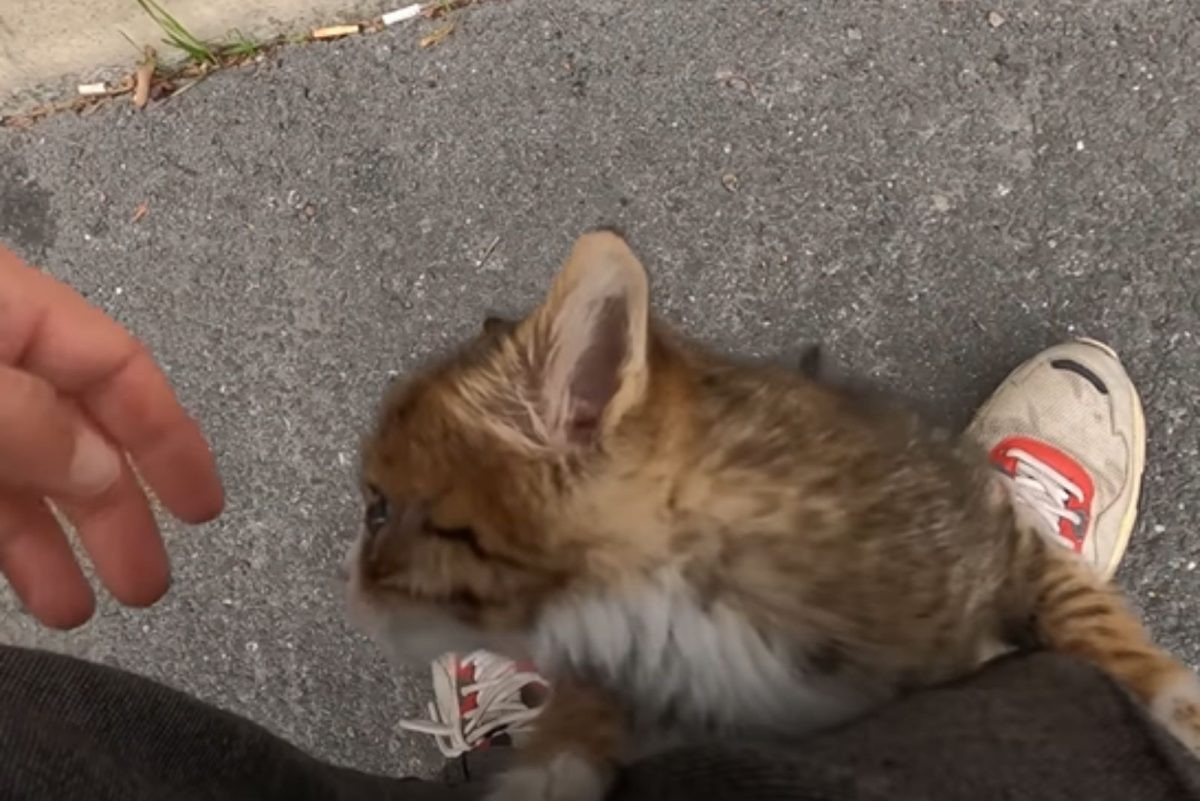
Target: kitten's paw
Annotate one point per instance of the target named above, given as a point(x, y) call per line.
point(566, 777)
point(1177, 707)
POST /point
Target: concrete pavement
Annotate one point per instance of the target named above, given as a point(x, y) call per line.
point(49, 47)
point(934, 195)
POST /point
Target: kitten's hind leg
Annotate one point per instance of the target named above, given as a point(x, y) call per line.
point(572, 752)
point(1077, 612)
point(1177, 706)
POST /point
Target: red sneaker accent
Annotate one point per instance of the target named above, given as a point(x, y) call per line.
point(466, 675)
point(481, 700)
point(1063, 464)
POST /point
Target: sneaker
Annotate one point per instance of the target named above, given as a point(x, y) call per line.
point(1067, 429)
point(479, 700)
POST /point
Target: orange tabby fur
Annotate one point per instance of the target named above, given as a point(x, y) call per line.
point(587, 486)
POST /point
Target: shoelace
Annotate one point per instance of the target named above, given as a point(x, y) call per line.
point(498, 705)
point(1045, 490)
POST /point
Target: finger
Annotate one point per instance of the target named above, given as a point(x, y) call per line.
point(121, 538)
point(39, 563)
point(48, 329)
point(137, 408)
point(46, 447)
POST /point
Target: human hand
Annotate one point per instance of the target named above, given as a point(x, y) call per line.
point(79, 400)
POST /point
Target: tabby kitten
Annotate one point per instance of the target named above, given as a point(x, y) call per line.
point(689, 547)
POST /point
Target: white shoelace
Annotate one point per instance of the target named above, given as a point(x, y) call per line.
point(1045, 490)
point(499, 706)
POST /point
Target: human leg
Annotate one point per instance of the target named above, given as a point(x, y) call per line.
point(74, 730)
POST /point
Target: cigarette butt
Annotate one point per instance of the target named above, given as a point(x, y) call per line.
point(93, 89)
point(143, 78)
point(401, 14)
point(335, 31)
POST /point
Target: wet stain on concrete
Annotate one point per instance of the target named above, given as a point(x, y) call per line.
point(26, 221)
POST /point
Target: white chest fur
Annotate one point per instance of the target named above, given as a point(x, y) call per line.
point(697, 671)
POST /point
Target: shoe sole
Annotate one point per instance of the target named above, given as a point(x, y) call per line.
point(1137, 465)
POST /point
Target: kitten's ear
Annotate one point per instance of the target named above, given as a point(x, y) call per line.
point(589, 340)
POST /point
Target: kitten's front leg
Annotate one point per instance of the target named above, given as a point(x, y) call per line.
point(572, 753)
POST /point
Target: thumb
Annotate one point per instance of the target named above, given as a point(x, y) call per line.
point(47, 447)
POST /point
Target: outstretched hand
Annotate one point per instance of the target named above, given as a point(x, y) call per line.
point(80, 400)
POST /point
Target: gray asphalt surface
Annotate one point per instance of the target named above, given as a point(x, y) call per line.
point(934, 196)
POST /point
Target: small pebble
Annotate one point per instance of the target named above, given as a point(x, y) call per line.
point(996, 19)
point(1160, 528)
point(854, 34)
point(1191, 565)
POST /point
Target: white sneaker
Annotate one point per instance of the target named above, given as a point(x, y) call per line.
point(1067, 428)
point(477, 698)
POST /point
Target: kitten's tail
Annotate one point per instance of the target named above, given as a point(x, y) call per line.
point(1078, 613)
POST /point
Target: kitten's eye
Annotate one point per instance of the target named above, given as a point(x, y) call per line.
point(459, 535)
point(462, 535)
point(378, 510)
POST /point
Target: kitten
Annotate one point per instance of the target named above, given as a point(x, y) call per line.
point(691, 548)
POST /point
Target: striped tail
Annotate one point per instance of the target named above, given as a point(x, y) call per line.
point(1076, 612)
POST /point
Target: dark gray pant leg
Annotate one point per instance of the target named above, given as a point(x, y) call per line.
point(1027, 728)
point(70, 730)
point(1030, 728)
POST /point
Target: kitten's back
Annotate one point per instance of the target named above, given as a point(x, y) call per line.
point(657, 519)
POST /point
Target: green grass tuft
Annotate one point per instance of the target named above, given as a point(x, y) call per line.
point(178, 36)
point(240, 46)
point(236, 47)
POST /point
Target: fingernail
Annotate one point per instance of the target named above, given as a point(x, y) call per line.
point(95, 466)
